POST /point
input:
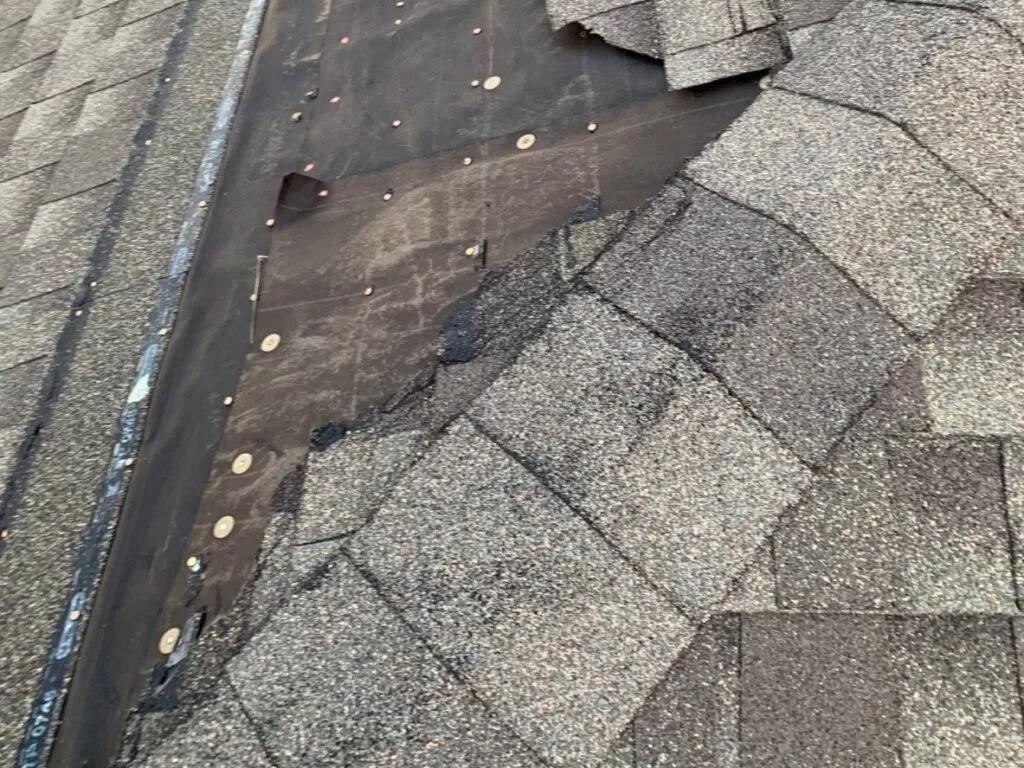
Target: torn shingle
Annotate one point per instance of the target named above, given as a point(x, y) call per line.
point(631, 27)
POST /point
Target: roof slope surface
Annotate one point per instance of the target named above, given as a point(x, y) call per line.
point(758, 443)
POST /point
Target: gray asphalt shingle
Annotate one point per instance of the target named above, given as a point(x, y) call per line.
point(790, 335)
point(551, 628)
point(562, 12)
point(759, 49)
point(350, 480)
point(903, 524)
point(692, 717)
point(878, 205)
point(960, 700)
point(818, 691)
point(103, 137)
point(973, 370)
point(391, 702)
point(649, 447)
point(57, 247)
point(42, 134)
point(696, 23)
point(960, 85)
point(631, 27)
point(219, 734)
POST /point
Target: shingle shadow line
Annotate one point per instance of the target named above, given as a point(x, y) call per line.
point(1012, 534)
point(525, 464)
point(1017, 656)
point(43, 295)
point(682, 345)
point(810, 244)
point(35, 359)
point(150, 15)
point(972, 10)
point(435, 654)
point(257, 728)
point(910, 134)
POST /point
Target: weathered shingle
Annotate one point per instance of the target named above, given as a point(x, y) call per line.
point(651, 448)
point(873, 201)
point(954, 80)
point(556, 633)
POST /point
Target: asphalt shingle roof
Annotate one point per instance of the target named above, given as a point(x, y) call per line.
point(733, 481)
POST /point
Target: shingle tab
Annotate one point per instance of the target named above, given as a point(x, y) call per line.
point(553, 629)
point(692, 717)
point(347, 482)
point(973, 370)
point(904, 524)
point(877, 204)
point(750, 52)
point(960, 700)
point(695, 23)
point(819, 691)
point(652, 449)
point(390, 701)
point(790, 335)
point(954, 80)
point(219, 734)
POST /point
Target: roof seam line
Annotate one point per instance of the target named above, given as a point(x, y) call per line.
point(963, 9)
point(375, 585)
point(521, 461)
point(910, 134)
point(814, 247)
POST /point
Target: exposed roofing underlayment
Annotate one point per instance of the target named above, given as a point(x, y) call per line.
point(736, 479)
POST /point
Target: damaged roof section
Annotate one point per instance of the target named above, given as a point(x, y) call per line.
point(700, 41)
point(758, 441)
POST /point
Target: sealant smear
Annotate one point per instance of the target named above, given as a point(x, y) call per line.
point(58, 665)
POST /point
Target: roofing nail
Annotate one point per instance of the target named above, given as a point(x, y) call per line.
point(223, 527)
point(312, 94)
point(398, 21)
point(296, 117)
point(4, 533)
point(75, 615)
point(492, 82)
point(270, 342)
point(344, 40)
point(254, 297)
point(395, 123)
point(194, 564)
point(389, 194)
point(474, 83)
point(477, 30)
point(202, 203)
point(322, 193)
point(270, 222)
point(169, 641)
point(526, 141)
point(308, 167)
point(128, 462)
point(229, 400)
point(335, 99)
point(592, 127)
point(241, 464)
point(368, 290)
point(467, 161)
point(765, 82)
